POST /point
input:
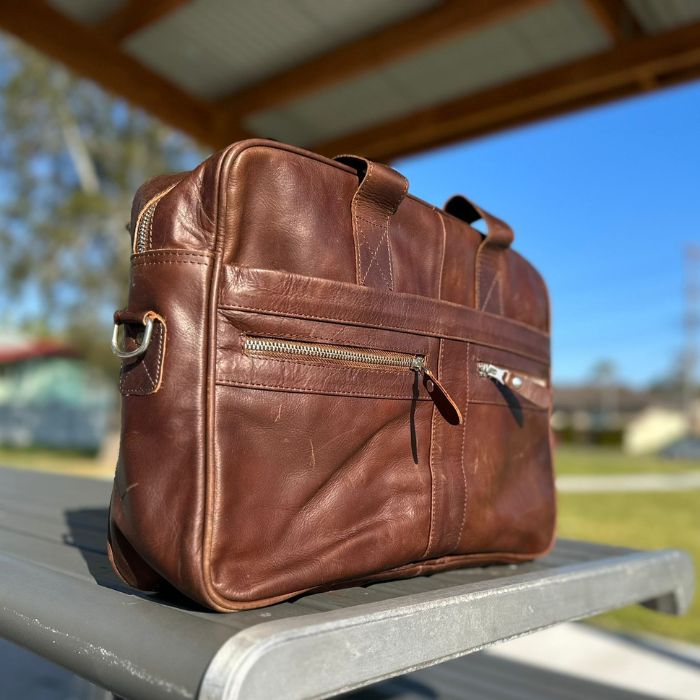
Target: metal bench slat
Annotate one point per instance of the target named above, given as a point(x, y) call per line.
point(60, 599)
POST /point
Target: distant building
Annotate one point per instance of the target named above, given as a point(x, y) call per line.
point(666, 429)
point(596, 414)
point(655, 428)
point(642, 422)
point(50, 397)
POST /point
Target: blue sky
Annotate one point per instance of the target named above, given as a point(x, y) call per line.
point(602, 202)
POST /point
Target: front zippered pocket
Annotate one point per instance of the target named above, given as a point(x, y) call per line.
point(361, 358)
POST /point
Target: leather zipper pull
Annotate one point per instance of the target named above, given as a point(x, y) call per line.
point(533, 389)
point(444, 402)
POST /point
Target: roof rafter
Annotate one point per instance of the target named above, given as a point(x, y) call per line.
point(135, 15)
point(666, 59)
point(616, 19)
point(98, 58)
point(448, 19)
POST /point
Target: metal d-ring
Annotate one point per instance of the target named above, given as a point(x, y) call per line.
point(145, 342)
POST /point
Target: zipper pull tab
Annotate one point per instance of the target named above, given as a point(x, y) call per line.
point(530, 388)
point(437, 392)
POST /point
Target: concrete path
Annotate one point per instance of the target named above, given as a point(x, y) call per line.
point(25, 676)
point(648, 665)
point(681, 481)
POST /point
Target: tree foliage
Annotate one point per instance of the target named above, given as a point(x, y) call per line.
point(71, 157)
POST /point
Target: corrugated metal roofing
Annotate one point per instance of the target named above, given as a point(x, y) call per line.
point(215, 47)
point(549, 35)
point(660, 15)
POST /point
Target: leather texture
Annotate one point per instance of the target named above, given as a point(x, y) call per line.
point(247, 476)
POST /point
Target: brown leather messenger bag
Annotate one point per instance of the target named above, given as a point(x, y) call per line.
point(325, 381)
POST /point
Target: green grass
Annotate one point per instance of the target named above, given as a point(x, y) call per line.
point(580, 460)
point(69, 462)
point(645, 521)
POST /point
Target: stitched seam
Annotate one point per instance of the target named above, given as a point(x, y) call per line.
point(367, 394)
point(370, 222)
point(420, 331)
point(356, 232)
point(161, 252)
point(307, 337)
point(148, 374)
point(528, 328)
point(160, 358)
point(500, 284)
point(389, 253)
point(434, 420)
point(139, 390)
point(374, 257)
point(444, 246)
point(160, 351)
point(488, 295)
point(293, 313)
point(144, 263)
point(461, 452)
point(364, 243)
point(477, 284)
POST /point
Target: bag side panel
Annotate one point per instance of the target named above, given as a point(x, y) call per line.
point(157, 507)
point(158, 492)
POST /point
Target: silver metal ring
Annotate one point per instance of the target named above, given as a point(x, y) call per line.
point(145, 342)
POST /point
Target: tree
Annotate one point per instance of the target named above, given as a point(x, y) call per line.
point(71, 158)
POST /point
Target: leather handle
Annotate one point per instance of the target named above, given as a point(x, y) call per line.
point(498, 233)
point(380, 192)
point(499, 236)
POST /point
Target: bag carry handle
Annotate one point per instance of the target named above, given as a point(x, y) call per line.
point(378, 196)
point(499, 236)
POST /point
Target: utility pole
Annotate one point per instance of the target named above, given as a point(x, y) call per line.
point(691, 323)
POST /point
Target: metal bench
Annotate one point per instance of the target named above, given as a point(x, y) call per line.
point(59, 598)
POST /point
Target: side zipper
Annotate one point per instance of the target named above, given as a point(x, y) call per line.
point(144, 222)
point(358, 357)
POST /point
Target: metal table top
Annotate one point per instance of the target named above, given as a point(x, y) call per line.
point(59, 598)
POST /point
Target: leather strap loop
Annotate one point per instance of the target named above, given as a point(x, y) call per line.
point(498, 233)
point(499, 236)
point(378, 196)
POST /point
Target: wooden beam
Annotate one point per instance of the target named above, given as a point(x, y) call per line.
point(616, 19)
point(619, 72)
point(448, 19)
point(93, 56)
point(135, 15)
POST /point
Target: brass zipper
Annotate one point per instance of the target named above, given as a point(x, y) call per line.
point(144, 227)
point(358, 357)
point(334, 353)
point(144, 223)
